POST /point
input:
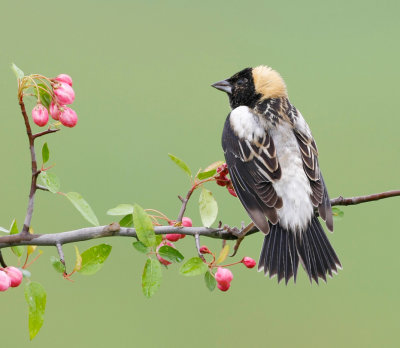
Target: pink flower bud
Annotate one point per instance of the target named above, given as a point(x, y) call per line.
point(68, 117)
point(204, 250)
point(223, 169)
point(64, 78)
point(248, 262)
point(40, 115)
point(54, 111)
point(163, 261)
point(15, 276)
point(64, 93)
point(224, 286)
point(173, 237)
point(187, 222)
point(223, 276)
point(222, 180)
point(232, 191)
point(183, 236)
point(5, 281)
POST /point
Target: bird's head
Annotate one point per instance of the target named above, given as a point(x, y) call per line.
point(252, 85)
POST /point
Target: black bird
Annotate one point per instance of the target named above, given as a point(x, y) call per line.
point(272, 160)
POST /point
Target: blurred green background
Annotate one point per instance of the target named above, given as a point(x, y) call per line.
point(142, 72)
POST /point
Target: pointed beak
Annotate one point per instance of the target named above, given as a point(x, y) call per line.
point(223, 85)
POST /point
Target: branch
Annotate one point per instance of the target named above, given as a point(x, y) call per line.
point(49, 131)
point(363, 199)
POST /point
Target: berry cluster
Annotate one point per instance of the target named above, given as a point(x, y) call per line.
point(173, 237)
point(62, 94)
point(222, 180)
point(224, 276)
point(10, 277)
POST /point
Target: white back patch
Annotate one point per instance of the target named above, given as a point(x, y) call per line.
point(246, 124)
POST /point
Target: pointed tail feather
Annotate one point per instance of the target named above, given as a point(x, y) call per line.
point(283, 249)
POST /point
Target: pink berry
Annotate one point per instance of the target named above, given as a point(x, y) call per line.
point(40, 115)
point(163, 261)
point(187, 222)
point(204, 250)
point(64, 78)
point(15, 276)
point(64, 93)
point(173, 237)
point(68, 117)
point(54, 111)
point(223, 275)
point(5, 281)
point(248, 262)
point(224, 286)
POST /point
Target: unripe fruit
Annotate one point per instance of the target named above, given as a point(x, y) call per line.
point(163, 261)
point(223, 276)
point(173, 237)
point(187, 222)
point(5, 281)
point(248, 262)
point(68, 117)
point(15, 276)
point(224, 286)
point(54, 111)
point(64, 78)
point(40, 115)
point(64, 93)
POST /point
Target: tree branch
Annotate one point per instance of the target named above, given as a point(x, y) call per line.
point(363, 199)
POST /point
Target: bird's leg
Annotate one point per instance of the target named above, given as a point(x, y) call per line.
point(240, 234)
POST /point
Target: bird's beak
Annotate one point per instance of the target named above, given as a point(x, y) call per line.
point(223, 85)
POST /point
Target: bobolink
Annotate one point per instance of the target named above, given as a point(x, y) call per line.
point(272, 160)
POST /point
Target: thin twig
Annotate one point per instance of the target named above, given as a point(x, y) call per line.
point(49, 131)
point(2, 262)
point(60, 253)
point(40, 187)
point(197, 240)
point(363, 199)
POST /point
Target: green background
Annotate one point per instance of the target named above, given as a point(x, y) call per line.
point(142, 72)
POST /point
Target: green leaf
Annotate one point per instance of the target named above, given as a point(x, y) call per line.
point(17, 250)
point(4, 230)
point(139, 246)
point(45, 153)
point(223, 254)
point(206, 175)
point(57, 264)
point(121, 209)
point(126, 221)
point(170, 254)
point(210, 281)
point(93, 258)
point(181, 164)
point(44, 96)
point(17, 71)
point(144, 226)
point(35, 296)
point(50, 180)
point(337, 213)
point(83, 207)
point(151, 278)
point(78, 260)
point(193, 267)
point(208, 207)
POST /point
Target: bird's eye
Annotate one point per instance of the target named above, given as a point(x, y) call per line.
point(241, 82)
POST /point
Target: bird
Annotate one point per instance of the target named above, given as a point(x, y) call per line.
point(272, 159)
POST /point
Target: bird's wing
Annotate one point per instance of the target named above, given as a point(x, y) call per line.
point(253, 166)
point(309, 153)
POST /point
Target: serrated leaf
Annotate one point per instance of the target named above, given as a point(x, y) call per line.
point(151, 278)
point(170, 254)
point(126, 221)
point(337, 213)
point(57, 264)
point(45, 153)
point(144, 226)
point(208, 207)
point(35, 296)
point(181, 164)
point(214, 165)
point(121, 209)
point(93, 258)
point(17, 250)
point(78, 260)
point(50, 180)
point(83, 207)
point(193, 267)
point(207, 174)
point(17, 71)
point(2, 229)
point(210, 281)
point(223, 254)
point(139, 246)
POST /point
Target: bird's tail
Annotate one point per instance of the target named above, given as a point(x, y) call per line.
point(283, 249)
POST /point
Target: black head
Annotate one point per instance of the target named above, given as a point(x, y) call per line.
point(252, 85)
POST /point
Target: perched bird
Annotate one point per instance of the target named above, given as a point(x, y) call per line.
point(272, 160)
